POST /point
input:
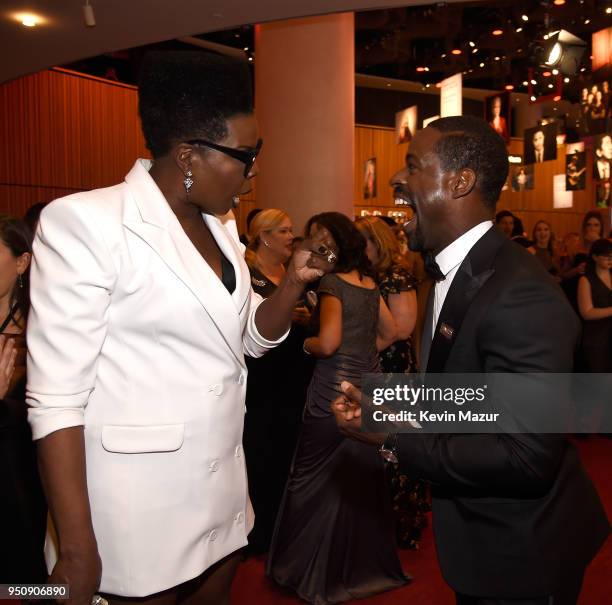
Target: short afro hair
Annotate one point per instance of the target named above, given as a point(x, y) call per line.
point(190, 94)
point(469, 142)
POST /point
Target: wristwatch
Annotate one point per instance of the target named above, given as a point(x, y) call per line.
point(388, 450)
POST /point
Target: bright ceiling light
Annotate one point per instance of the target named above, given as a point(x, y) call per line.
point(498, 32)
point(456, 51)
point(472, 44)
point(524, 17)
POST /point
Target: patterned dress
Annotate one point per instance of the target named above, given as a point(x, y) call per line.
point(410, 498)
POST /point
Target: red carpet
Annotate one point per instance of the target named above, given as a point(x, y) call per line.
point(428, 588)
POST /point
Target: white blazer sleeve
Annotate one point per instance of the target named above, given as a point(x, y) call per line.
point(72, 277)
point(255, 345)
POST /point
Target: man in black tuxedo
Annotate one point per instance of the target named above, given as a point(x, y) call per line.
point(516, 518)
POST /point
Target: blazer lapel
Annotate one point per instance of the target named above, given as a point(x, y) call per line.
point(473, 273)
point(150, 218)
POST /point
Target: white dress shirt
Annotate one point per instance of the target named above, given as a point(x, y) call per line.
point(449, 260)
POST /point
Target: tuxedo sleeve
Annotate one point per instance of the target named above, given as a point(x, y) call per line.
point(530, 328)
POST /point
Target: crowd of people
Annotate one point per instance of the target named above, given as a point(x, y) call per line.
point(150, 327)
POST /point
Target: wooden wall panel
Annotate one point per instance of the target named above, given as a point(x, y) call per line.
point(61, 132)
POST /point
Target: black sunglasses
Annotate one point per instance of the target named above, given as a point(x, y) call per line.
point(246, 156)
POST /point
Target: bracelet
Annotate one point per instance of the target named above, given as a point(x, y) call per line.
point(305, 349)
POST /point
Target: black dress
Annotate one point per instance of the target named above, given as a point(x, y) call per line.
point(334, 537)
point(409, 497)
point(276, 390)
point(597, 334)
point(23, 512)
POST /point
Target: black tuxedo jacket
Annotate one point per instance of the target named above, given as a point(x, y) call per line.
point(514, 515)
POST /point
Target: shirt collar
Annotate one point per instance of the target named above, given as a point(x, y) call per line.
point(454, 254)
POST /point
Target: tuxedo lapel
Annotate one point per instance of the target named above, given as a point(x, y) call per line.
point(149, 217)
point(473, 273)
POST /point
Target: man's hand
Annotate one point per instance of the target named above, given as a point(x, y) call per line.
point(347, 410)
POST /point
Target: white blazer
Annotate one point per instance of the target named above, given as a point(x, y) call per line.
point(132, 335)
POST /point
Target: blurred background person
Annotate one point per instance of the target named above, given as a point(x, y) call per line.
point(544, 247)
point(23, 513)
point(504, 221)
point(276, 383)
point(595, 306)
point(334, 538)
point(398, 289)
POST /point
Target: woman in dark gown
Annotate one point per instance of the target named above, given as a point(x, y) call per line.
point(409, 497)
point(23, 510)
point(334, 537)
point(276, 384)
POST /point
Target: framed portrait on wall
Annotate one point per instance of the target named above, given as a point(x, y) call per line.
point(575, 171)
point(369, 179)
point(497, 114)
point(540, 143)
point(405, 124)
point(603, 194)
point(602, 157)
point(522, 177)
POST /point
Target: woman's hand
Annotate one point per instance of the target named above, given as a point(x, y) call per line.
point(8, 354)
point(314, 258)
point(82, 571)
point(301, 316)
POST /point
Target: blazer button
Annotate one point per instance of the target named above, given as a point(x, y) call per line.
point(213, 467)
point(238, 451)
point(239, 518)
point(217, 389)
point(212, 536)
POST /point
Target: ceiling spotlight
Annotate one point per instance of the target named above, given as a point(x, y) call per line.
point(456, 51)
point(550, 86)
point(525, 83)
point(498, 32)
point(509, 87)
point(474, 51)
point(587, 21)
point(609, 10)
point(556, 98)
point(524, 17)
point(558, 2)
point(564, 52)
point(555, 72)
point(533, 82)
point(545, 36)
point(532, 97)
point(250, 58)
point(420, 69)
point(443, 55)
point(519, 30)
point(566, 80)
point(546, 74)
point(497, 58)
point(88, 14)
point(481, 65)
point(472, 44)
point(29, 20)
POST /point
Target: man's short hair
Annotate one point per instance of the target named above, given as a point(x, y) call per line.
point(190, 94)
point(469, 142)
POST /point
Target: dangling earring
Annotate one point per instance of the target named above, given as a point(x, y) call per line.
point(20, 281)
point(188, 182)
point(266, 244)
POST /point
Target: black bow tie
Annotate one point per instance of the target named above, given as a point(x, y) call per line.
point(431, 267)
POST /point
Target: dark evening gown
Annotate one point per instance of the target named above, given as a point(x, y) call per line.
point(409, 497)
point(23, 512)
point(276, 391)
point(334, 536)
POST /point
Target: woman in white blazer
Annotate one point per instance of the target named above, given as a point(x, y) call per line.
point(142, 312)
